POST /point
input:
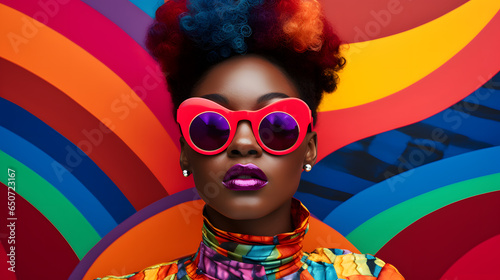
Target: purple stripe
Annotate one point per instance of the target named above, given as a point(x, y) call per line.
point(126, 15)
point(134, 220)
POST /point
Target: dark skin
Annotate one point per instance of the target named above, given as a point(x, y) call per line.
point(248, 83)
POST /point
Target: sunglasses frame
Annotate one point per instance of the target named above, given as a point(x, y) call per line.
point(195, 106)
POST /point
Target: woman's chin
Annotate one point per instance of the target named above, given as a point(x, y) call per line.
point(242, 208)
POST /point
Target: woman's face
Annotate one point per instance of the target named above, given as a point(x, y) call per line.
point(247, 83)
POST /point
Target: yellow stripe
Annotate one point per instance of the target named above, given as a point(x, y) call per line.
point(381, 67)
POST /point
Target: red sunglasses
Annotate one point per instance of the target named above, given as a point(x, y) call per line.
point(209, 128)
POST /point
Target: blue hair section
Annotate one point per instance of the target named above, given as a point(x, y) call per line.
point(219, 27)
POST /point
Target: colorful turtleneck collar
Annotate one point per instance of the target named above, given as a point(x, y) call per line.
point(225, 255)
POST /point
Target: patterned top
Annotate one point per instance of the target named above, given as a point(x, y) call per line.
point(227, 256)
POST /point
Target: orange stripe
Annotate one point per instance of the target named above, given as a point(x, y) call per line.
point(55, 108)
point(95, 87)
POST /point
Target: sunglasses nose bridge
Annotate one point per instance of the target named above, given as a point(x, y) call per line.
point(240, 115)
point(244, 141)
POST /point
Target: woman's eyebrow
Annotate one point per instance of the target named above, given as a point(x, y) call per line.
point(216, 98)
point(271, 95)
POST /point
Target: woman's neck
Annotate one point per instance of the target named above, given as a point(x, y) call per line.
point(276, 222)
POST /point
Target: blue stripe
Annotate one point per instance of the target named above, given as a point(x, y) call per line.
point(33, 130)
point(487, 96)
point(380, 197)
point(70, 187)
point(459, 126)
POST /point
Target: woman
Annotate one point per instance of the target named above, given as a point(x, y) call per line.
point(246, 78)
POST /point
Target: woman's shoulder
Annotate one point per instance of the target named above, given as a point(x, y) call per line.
point(162, 271)
point(348, 265)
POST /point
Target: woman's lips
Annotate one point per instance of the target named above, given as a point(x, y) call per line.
point(244, 177)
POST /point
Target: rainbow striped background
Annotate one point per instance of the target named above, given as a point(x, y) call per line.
point(408, 167)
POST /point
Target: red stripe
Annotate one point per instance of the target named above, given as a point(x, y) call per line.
point(5, 265)
point(475, 263)
point(428, 247)
point(357, 21)
point(41, 251)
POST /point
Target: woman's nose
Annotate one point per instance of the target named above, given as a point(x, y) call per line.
point(244, 142)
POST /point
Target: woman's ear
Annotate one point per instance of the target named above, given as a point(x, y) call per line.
point(183, 160)
point(312, 148)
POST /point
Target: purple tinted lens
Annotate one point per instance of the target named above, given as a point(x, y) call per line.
point(279, 131)
point(209, 131)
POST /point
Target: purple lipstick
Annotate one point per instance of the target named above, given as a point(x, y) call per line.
point(244, 177)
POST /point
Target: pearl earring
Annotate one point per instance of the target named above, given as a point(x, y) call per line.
point(307, 167)
point(185, 173)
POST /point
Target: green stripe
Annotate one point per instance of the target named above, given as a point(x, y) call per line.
point(73, 226)
point(377, 231)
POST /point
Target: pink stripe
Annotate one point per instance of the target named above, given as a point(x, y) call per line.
point(112, 46)
point(120, 12)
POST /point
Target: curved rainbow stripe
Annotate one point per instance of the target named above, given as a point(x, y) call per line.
point(156, 208)
point(119, 12)
point(438, 240)
point(384, 226)
point(415, 183)
point(432, 94)
point(4, 259)
point(70, 187)
point(472, 263)
point(414, 54)
point(30, 128)
point(41, 234)
point(68, 72)
point(139, 70)
point(366, 20)
point(72, 225)
point(469, 125)
point(48, 104)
